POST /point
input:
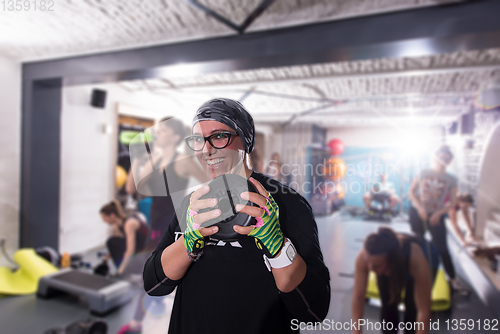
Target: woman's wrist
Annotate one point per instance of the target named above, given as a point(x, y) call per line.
point(174, 260)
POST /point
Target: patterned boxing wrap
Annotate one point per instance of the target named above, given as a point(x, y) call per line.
point(267, 232)
point(193, 240)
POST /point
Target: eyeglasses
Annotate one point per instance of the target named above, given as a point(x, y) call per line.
point(217, 140)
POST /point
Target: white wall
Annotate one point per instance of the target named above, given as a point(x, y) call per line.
point(10, 137)
point(88, 159)
point(86, 170)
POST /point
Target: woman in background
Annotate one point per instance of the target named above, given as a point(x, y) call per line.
point(274, 168)
point(465, 203)
point(129, 235)
point(169, 134)
point(399, 261)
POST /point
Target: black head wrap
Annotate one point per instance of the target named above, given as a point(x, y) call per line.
point(231, 113)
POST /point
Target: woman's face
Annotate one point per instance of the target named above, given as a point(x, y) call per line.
point(214, 161)
point(164, 135)
point(464, 205)
point(443, 158)
point(377, 264)
point(108, 219)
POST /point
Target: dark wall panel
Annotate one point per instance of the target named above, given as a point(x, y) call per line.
point(41, 164)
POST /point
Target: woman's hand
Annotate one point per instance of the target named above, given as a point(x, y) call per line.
point(267, 231)
point(194, 234)
point(435, 217)
point(422, 213)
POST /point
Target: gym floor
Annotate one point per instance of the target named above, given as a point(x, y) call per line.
point(29, 314)
point(341, 237)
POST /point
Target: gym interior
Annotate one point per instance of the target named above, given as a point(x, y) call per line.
point(351, 101)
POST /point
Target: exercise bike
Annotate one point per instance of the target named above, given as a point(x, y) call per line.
point(379, 207)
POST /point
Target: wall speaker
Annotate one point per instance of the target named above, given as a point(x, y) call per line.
point(98, 99)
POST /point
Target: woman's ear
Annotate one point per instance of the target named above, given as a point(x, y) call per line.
point(248, 161)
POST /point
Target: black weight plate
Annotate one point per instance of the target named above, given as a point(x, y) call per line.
point(226, 189)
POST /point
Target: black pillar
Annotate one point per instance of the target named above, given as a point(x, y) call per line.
point(40, 163)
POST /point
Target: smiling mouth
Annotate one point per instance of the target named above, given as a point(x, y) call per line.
point(215, 163)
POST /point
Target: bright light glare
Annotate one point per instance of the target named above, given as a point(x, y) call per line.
point(180, 70)
point(414, 48)
point(414, 142)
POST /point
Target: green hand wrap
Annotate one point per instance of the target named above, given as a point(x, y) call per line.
point(193, 240)
point(267, 233)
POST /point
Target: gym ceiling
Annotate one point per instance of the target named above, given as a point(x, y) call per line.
point(426, 87)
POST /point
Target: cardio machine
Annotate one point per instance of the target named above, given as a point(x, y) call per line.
point(379, 205)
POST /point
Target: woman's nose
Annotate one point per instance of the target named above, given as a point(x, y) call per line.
point(209, 149)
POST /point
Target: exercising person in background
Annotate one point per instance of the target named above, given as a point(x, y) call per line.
point(169, 134)
point(382, 189)
point(464, 205)
point(274, 169)
point(129, 234)
point(488, 252)
point(399, 261)
point(428, 193)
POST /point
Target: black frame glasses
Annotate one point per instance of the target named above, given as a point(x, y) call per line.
point(192, 140)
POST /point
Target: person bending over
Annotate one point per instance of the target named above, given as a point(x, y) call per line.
point(400, 262)
point(464, 204)
point(129, 234)
point(274, 273)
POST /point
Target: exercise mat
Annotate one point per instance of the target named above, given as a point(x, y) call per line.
point(24, 280)
point(372, 288)
point(440, 296)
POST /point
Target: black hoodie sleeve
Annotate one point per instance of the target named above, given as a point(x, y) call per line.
point(310, 300)
point(156, 283)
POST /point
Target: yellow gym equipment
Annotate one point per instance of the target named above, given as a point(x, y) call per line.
point(441, 294)
point(121, 177)
point(335, 169)
point(440, 297)
point(24, 280)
